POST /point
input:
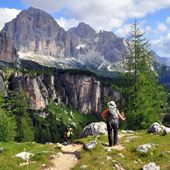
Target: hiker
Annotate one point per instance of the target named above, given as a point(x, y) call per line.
point(68, 135)
point(111, 117)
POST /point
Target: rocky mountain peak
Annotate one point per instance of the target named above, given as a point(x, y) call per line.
point(38, 38)
point(82, 30)
point(33, 30)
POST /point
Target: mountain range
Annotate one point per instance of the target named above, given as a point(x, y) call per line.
point(35, 36)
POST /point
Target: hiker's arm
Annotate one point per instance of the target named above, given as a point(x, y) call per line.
point(121, 116)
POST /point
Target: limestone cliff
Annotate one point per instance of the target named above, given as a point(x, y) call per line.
point(85, 93)
point(7, 52)
point(38, 37)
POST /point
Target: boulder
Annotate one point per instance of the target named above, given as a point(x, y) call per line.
point(94, 129)
point(158, 128)
point(151, 166)
point(145, 148)
point(90, 145)
point(24, 155)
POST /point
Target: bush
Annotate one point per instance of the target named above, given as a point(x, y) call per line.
point(7, 127)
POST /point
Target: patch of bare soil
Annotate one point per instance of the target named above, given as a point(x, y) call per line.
point(66, 159)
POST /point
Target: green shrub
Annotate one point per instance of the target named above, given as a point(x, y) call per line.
point(7, 127)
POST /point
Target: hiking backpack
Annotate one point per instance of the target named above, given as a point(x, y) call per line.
point(113, 114)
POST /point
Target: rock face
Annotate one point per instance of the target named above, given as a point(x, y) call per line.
point(34, 31)
point(94, 129)
point(151, 166)
point(80, 91)
point(7, 52)
point(158, 128)
point(32, 88)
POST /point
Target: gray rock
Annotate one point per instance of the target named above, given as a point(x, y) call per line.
point(90, 145)
point(95, 128)
point(8, 53)
point(144, 148)
point(108, 158)
point(151, 166)
point(1, 149)
point(158, 128)
point(24, 155)
point(82, 167)
point(128, 131)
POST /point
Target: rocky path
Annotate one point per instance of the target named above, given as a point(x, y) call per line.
point(66, 159)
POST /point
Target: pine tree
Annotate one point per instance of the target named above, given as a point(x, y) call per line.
point(145, 98)
point(18, 102)
point(7, 122)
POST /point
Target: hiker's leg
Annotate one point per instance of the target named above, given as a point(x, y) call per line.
point(109, 130)
point(115, 129)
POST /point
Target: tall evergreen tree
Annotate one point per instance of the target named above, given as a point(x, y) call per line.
point(145, 98)
point(19, 107)
point(7, 121)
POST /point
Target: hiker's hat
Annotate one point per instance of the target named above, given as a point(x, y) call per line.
point(112, 103)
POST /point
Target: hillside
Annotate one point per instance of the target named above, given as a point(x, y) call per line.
point(101, 157)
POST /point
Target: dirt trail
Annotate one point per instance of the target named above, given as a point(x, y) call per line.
point(66, 159)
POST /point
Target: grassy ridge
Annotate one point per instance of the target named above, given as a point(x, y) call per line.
point(131, 160)
point(8, 160)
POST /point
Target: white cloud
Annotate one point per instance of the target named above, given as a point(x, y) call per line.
point(101, 14)
point(161, 27)
point(168, 20)
point(168, 37)
point(67, 23)
point(123, 31)
point(148, 29)
point(161, 45)
point(7, 15)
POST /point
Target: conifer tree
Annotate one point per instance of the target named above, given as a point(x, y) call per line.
point(7, 121)
point(145, 98)
point(18, 102)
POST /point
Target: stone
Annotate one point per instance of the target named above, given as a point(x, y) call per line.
point(127, 131)
point(24, 155)
point(108, 158)
point(119, 167)
point(121, 155)
point(107, 149)
point(158, 128)
point(145, 148)
point(90, 145)
point(151, 166)
point(82, 167)
point(101, 163)
point(2, 149)
point(94, 129)
point(59, 154)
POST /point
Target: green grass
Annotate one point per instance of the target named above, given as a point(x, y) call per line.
point(8, 160)
point(96, 158)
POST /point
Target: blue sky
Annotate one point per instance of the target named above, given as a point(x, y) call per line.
point(110, 15)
